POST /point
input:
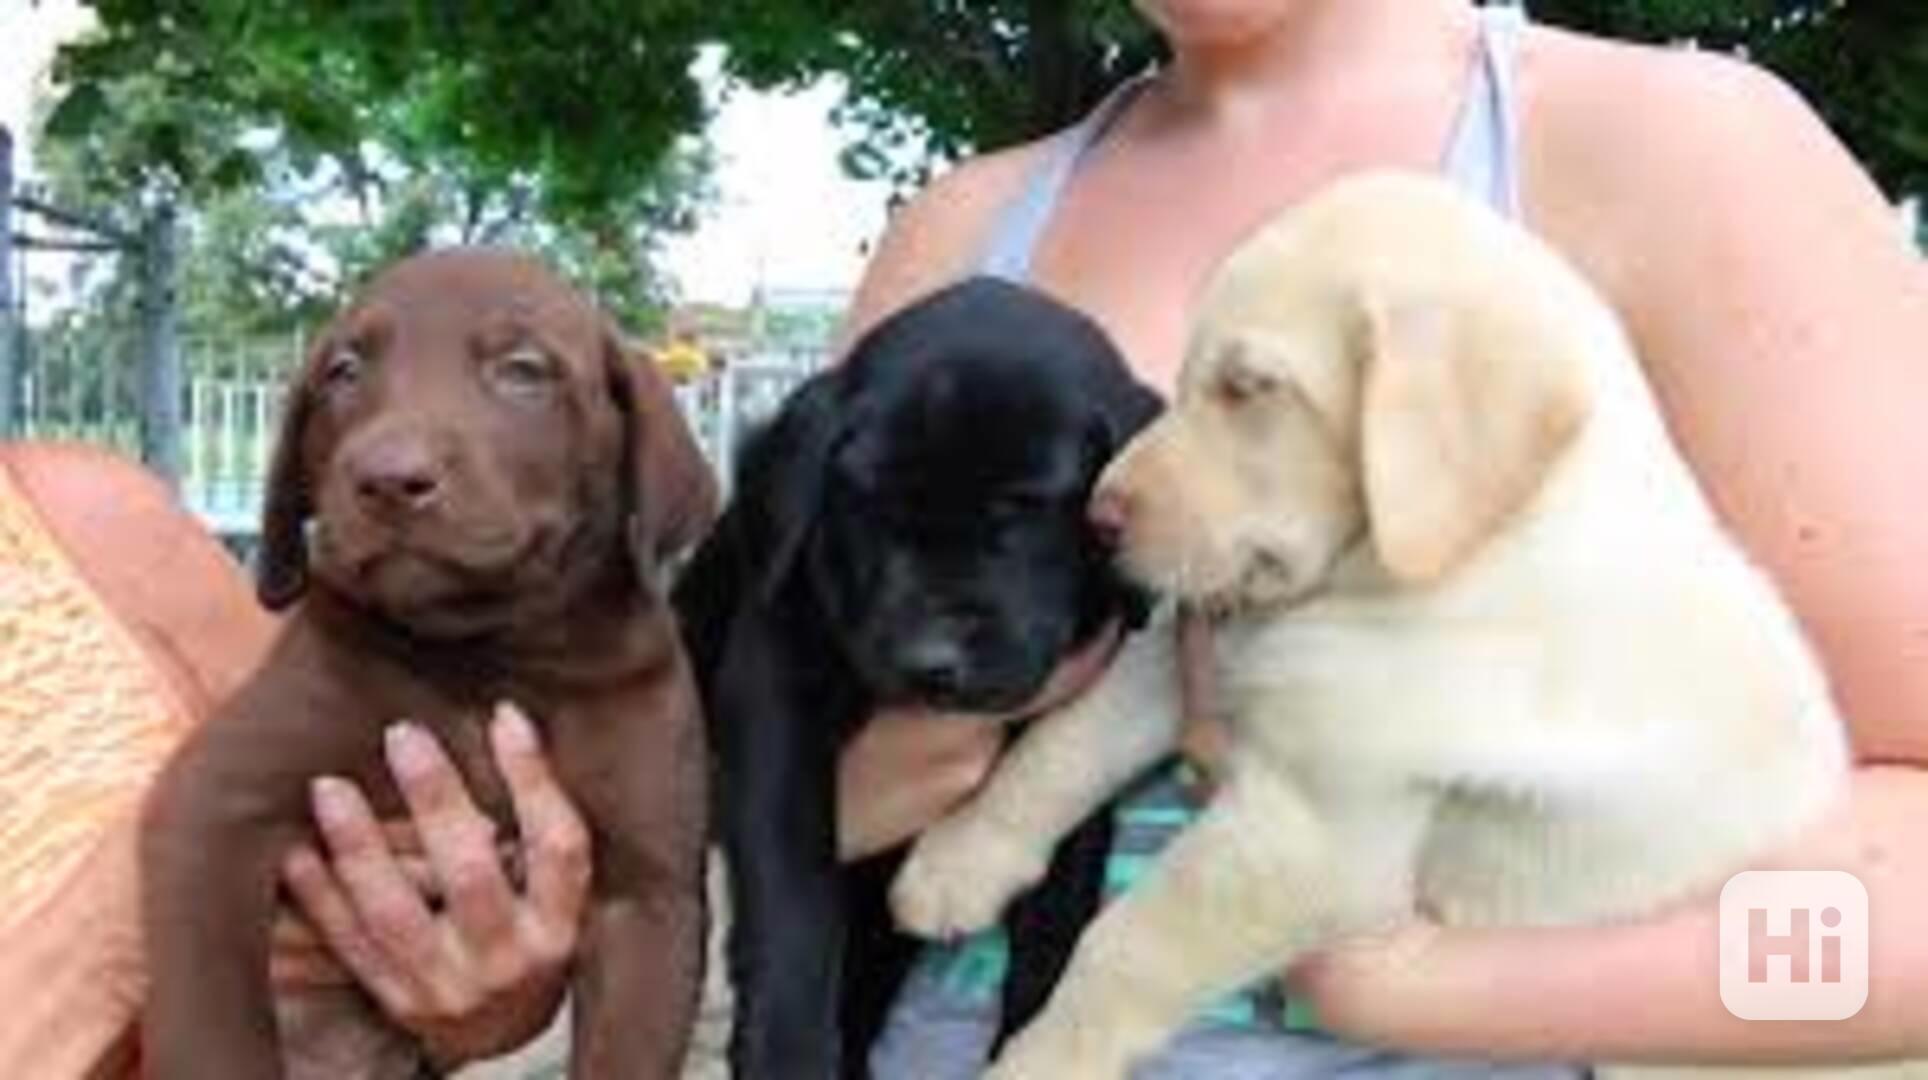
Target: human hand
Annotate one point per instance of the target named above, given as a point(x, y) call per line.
point(432, 928)
point(907, 767)
point(1203, 740)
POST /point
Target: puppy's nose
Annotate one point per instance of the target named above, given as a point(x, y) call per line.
point(1109, 513)
point(933, 665)
point(397, 475)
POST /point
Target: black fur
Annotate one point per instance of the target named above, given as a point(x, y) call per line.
point(909, 528)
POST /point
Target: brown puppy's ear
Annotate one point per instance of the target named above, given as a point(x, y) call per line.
point(281, 566)
point(671, 489)
point(1463, 412)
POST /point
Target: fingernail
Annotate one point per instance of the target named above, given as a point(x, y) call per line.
point(514, 729)
point(334, 803)
point(409, 752)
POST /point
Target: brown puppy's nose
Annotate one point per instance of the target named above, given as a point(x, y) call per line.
point(1109, 514)
point(397, 475)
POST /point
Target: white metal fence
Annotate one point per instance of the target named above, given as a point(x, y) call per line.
point(725, 404)
point(232, 407)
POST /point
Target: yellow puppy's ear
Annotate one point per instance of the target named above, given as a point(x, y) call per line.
point(1463, 412)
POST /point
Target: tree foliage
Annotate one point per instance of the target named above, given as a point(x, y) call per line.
point(573, 109)
point(581, 96)
point(577, 99)
point(974, 74)
point(304, 149)
point(941, 77)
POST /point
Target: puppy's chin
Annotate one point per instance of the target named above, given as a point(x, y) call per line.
point(1181, 572)
point(1251, 579)
point(433, 591)
point(999, 700)
point(428, 596)
point(364, 547)
point(997, 685)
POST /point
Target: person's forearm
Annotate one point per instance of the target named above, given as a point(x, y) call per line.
point(1651, 992)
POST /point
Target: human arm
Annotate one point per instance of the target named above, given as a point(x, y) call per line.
point(907, 767)
point(1783, 322)
point(1648, 991)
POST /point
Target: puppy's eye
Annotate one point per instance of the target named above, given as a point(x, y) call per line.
point(344, 368)
point(525, 371)
point(1240, 381)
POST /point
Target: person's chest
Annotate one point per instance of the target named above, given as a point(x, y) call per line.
point(1143, 222)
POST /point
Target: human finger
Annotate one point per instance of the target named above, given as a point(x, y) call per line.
point(331, 928)
point(1203, 740)
point(555, 841)
point(459, 841)
point(388, 907)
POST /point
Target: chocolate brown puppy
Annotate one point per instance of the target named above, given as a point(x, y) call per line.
point(474, 494)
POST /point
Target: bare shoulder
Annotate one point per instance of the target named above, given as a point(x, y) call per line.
point(1780, 315)
point(1628, 145)
point(935, 237)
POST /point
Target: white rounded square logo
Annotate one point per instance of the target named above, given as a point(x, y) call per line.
point(1794, 945)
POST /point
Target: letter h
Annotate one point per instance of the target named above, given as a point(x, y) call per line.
point(1761, 945)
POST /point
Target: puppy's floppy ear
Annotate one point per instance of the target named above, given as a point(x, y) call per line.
point(1463, 413)
point(1123, 405)
point(281, 565)
point(668, 485)
point(784, 470)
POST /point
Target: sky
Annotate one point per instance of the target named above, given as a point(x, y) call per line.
point(786, 216)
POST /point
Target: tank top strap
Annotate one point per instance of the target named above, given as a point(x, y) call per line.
point(1014, 233)
point(1483, 154)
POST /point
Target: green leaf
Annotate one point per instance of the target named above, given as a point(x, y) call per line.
point(78, 112)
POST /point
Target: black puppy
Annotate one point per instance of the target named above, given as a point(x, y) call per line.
point(910, 528)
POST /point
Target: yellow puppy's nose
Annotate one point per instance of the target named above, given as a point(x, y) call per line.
point(1109, 513)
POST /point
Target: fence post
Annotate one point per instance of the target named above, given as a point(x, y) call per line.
point(9, 333)
point(160, 385)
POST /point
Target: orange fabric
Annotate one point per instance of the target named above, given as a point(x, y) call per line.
point(86, 716)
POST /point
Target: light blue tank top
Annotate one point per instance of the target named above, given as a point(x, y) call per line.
point(1482, 155)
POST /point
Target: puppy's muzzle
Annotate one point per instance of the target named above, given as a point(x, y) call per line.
point(935, 667)
point(1110, 514)
point(396, 476)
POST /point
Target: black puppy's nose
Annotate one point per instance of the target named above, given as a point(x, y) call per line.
point(933, 665)
point(398, 474)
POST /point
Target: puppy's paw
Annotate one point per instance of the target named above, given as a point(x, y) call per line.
point(959, 877)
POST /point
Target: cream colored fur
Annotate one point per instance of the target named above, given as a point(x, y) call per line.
point(1486, 654)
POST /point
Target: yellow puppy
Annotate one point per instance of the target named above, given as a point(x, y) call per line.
point(1485, 651)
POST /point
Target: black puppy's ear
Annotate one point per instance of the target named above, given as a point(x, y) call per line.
point(668, 484)
point(281, 565)
point(784, 471)
point(1123, 406)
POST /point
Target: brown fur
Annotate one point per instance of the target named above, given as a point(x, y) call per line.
point(551, 477)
